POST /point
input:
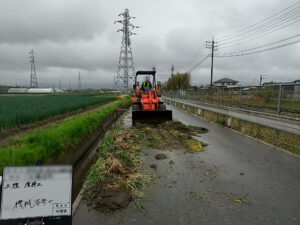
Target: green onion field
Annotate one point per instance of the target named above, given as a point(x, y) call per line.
point(18, 110)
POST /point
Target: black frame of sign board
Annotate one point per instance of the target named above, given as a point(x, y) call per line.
point(49, 220)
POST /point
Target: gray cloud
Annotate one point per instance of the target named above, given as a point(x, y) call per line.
point(79, 35)
point(32, 21)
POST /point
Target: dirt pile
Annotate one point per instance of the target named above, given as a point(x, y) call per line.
point(169, 135)
point(104, 198)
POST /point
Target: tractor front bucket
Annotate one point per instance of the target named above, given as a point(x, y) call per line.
point(151, 116)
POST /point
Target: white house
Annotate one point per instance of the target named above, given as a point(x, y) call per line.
point(225, 82)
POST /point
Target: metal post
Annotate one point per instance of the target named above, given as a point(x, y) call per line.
point(222, 98)
point(241, 97)
point(279, 99)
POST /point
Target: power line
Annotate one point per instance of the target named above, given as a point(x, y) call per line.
point(247, 28)
point(287, 17)
point(263, 50)
point(277, 21)
point(198, 64)
point(272, 28)
point(200, 52)
point(238, 43)
point(262, 46)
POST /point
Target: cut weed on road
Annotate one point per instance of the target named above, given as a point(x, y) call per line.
point(116, 178)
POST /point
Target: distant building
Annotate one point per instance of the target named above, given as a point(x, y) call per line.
point(297, 81)
point(17, 90)
point(58, 90)
point(40, 91)
point(225, 82)
point(290, 90)
point(285, 83)
point(31, 90)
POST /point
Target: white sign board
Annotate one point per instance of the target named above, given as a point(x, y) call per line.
point(36, 191)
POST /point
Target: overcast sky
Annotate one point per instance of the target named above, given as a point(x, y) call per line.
point(69, 36)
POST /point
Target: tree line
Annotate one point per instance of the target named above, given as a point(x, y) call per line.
point(178, 81)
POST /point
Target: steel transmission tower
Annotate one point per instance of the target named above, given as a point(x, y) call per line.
point(126, 66)
point(33, 79)
point(79, 81)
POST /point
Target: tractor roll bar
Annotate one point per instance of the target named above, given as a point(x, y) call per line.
point(142, 72)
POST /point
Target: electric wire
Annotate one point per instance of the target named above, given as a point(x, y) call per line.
point(273, 23)
point(247, 28)
point(277, 21)
point(263, 50)
point(242, 42)
point(192, 62)
point(262, 46)
point(198, 64)
point(262, 33)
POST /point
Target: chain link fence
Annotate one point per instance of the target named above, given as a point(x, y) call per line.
point(280, 99)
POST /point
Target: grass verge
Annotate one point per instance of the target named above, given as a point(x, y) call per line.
point(53, 140)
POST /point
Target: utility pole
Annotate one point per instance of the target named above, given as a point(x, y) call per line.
point(261, 78)
point(59, 84)
point(180, 80)
point(126, 70)
point(213, 46)
point(33, 79)
point(172, 70)
point(70, 87)
point(79, 81)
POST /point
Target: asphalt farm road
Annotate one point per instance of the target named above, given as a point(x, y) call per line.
point(237, 180)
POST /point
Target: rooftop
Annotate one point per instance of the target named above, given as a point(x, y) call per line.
point(225, 80)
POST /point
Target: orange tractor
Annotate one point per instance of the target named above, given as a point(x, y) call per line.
point(147, 106)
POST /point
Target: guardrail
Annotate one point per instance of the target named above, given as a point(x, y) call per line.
point(277, 122)
point(278, 99)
